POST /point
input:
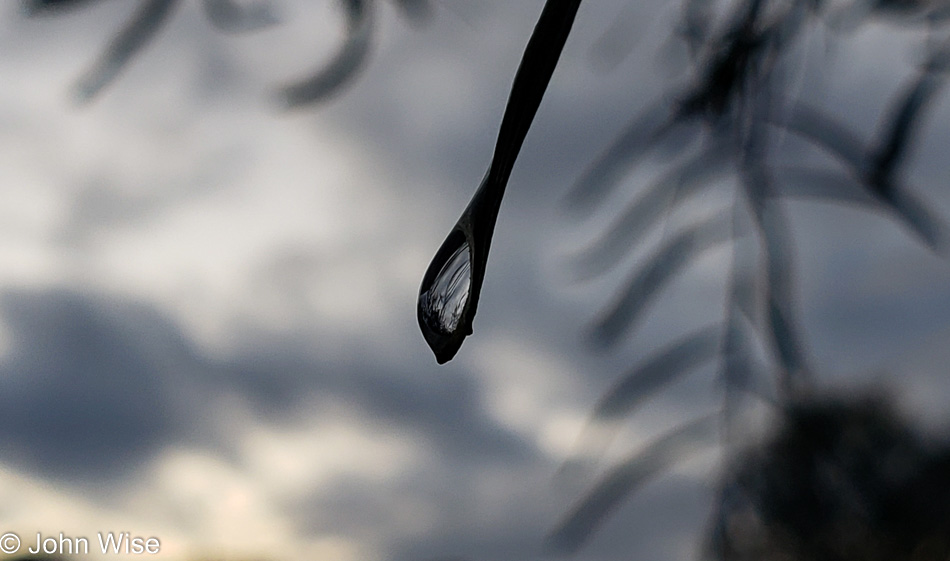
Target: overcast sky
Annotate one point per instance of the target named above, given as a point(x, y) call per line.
point(207, 305)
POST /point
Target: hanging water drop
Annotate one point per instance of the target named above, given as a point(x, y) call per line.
point(446, 300)
point(443, 304)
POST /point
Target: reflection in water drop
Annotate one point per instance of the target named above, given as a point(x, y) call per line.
point(442, 305)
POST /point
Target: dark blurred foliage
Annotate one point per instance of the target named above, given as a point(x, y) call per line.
point(233, 16)
point(839, 478)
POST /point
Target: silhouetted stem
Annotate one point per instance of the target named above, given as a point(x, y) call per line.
point(477, 223)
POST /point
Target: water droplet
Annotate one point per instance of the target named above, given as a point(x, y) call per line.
point(442, 305)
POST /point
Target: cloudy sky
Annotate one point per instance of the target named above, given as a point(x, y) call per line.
point(207, 304)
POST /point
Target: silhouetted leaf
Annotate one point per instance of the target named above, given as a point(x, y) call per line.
point(735, 59)
point(232, 17)
point(136, 34)
point(786, 338)
point(646, 209)
point(876, 170)
point(824, 185)
point(900, 12)
point(814, 125)
point(891, 150)
point(602, 176)
point(744, 282)
point(417, 11)
point(576, 528)
point(696, 24)
point(340, 71)
point(837, 187)
point(661, 369)
point(652, 374)
point(35, 8)
point(783, 329)
point(656, 273)
point(742, 369)
point(921, 218)
point(939, 15)
point(897, 130)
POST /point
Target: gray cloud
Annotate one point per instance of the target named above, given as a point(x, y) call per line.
point(91, 387)
point(94, 386)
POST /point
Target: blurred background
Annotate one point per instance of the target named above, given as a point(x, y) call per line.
point(207, 301)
